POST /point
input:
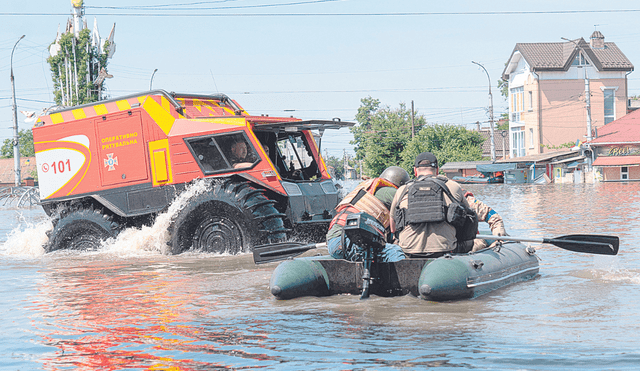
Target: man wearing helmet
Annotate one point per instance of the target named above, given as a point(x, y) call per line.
point(373, 197)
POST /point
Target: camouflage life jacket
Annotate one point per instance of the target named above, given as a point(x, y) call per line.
point(362, 199)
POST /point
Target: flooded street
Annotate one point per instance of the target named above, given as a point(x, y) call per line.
point(129, 306)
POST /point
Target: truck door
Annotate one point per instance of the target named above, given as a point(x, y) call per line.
point(122, 157)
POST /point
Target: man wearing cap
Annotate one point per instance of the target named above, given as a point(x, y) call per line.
point(419, 213)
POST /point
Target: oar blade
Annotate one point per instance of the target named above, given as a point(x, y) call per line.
point(279, 251)
point(587, 243)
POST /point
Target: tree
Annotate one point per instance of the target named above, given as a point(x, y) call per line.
point(25, 144)
point(382, 134)
point(503, 85)
point(449, 143)
point(338, 166)
point(78, 61)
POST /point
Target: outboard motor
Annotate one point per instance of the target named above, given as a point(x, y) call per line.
point(367, 232)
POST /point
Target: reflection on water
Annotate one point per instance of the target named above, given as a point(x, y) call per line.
point(129, 306)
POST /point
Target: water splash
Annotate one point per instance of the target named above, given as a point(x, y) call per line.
point(153, 238)
point(27, 240)
point(609, 268)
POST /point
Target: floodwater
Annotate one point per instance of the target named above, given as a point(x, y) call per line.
point(129, 306)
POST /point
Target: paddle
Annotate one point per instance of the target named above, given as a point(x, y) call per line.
point(587, 243)
point(281, 251)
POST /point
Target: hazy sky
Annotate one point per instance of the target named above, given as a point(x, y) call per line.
point(313, 59)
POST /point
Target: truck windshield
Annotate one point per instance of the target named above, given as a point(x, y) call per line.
point(297, 159)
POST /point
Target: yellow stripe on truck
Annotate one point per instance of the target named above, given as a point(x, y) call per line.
point(162, 117)
point(123, 105)
point(79, 114)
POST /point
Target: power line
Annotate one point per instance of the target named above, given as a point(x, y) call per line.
point(142, 7)
point(382, 14)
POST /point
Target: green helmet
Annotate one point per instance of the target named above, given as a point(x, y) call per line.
point(396, 175)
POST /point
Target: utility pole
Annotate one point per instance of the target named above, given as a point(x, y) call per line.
point(493, 143)
point(413, 115)
point(345, 162)
point(587, 90)
point(16, 149)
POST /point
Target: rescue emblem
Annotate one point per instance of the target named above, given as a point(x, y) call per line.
point(111, 162)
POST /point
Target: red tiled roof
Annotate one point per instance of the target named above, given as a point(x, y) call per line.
point(27, 169)
point(623, 130)
point(616, 160)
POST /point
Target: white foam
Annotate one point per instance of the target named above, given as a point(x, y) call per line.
point(27, 240)
point(609, 268)
point(134, 241)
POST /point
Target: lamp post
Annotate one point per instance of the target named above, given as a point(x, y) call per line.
point(151, 82)
point(16, 151)
point(493, 143)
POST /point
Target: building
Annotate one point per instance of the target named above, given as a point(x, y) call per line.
point(547, 92)
point(560, 166)
point(500, 139)
point(616, 149)
point(451, 169)
point(7, 171)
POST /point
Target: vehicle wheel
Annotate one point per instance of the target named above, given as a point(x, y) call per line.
point(81, 229)
point(231, 217)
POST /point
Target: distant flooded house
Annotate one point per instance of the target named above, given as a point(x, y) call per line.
point(548, 83)
point(27, 171)
point(468, 168)
point(616, 149)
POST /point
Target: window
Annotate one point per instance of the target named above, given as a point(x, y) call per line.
point(624, 173)
point(580, 60)
point(517, 142)
point(609, 105)
point(530, 138)
point(295, 160)
point(530, 100)
point(223, 152)
point(517, 104)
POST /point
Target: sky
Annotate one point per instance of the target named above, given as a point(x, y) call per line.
point(311, 59)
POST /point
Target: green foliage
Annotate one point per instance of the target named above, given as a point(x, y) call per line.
point(25, 144)
point(505, 124)
point(449, 143)
point(563, 145)
point(338, 165)
point(503, 85)
point(85, 59)
point(382, 134)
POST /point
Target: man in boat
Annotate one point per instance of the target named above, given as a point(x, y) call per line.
point(373, 197)
point(430, 215)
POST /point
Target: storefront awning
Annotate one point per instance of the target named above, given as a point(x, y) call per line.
point(569, 159)
point(617, 161)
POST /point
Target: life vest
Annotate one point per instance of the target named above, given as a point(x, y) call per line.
point(362, 199)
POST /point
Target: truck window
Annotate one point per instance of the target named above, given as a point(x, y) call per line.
point(297, 160)
point(223, 152)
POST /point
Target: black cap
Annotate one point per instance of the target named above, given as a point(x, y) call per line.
point(426, 159)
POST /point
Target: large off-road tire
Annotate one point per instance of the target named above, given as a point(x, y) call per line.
point(81, 229)
point(230, 217)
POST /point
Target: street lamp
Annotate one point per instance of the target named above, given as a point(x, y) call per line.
point(151, 82)
point(16, 151)
point(493, 143)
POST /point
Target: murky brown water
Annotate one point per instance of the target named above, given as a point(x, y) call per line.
point(128, 306)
